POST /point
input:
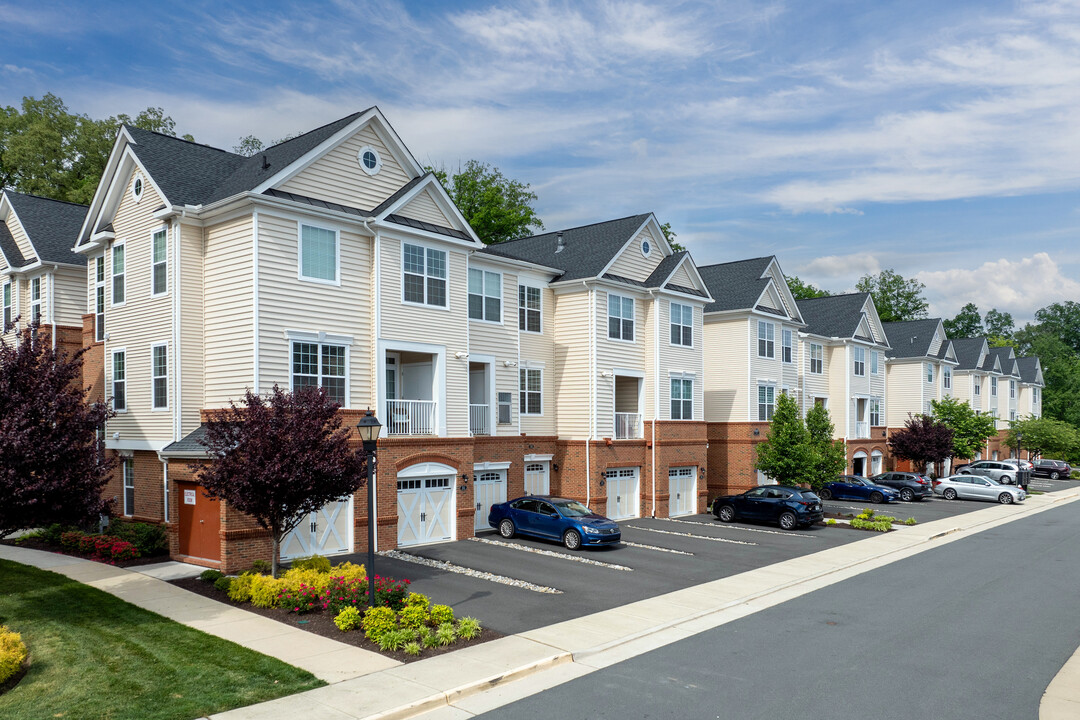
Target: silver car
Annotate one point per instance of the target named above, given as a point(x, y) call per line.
point(977, 487)
point(1002, 471)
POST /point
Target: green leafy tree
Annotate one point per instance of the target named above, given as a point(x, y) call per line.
point(966, 324)
point(896, 298)
point(1045, 437)
point(1063, 320)
point(248, 146)
point(804, 290)
point(785, 454)
point(497, 207)
point(999, 326)
point(670, 236)
point(828, 457)
point(970, 430)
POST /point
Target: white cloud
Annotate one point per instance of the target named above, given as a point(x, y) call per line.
point(839, 266)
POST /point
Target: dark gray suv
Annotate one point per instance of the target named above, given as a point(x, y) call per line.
point(911, 486)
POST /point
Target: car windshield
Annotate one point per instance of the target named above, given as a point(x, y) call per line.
point(571, 508)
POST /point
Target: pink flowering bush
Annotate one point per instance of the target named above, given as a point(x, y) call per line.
point(105, 548)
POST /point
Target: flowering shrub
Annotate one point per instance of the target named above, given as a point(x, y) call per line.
point(377, 622)
point(300, 598)
point(70, 539)
point(390, 592)
point(100, 547)
point(345, 593)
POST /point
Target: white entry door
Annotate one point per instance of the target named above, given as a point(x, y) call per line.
point(682, 491)
point(537, 481)
point(425, 510)
point(622, 493)
point(325, 532)
point(489, 489)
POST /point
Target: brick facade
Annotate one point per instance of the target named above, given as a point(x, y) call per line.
point(93, 369)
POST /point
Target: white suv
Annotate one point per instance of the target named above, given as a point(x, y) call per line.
point(1002, 471)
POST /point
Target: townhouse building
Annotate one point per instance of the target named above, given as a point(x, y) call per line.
point(919, 368)
point(41, 279)
point(844, 347)
point(972, 376)
point(1008, 385)
point(1030, 387)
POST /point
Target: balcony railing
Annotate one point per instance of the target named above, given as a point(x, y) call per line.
point(479, 419)
point(862, 430)
point(627, 426)
point(410, 417)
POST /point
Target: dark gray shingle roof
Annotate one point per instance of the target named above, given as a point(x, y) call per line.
point(910, 338)
point(190, 443)
point(586, 250)
point(1002, 353)
point(1029, 369)
point(735, 285)
point(833, 316)
point(9, 247)
point(52, 226)
point(967, 352)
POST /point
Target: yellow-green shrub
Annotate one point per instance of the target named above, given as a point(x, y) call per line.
point(315, 562)
point(441, 614)
point(12, 653)
point(240, 588)
point(265, 590)
point(349, 571)
point(417, 600)
point(377, 622)
point(414, 617)
point(348, 619)
point(292, 579)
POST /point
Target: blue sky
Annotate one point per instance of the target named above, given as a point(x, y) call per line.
point(938, 139)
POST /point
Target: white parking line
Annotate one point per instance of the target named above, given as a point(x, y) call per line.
point(549, 553)
point(733, 527)
point(656, 547)
point(471, 572)
point(699, 537)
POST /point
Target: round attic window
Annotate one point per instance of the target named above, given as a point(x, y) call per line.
point(137, 188)
point(646, 248)
point(369, 160)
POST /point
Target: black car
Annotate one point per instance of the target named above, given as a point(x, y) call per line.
point(789, 507)
point(1052, 469)
point(911, 486)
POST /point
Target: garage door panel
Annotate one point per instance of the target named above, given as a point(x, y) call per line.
point(323, 532)
point(623, 493)
point(682, 491)
point(425, 510)
point(489, 489)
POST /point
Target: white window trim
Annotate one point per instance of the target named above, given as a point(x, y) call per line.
point(99, 335)
point(141, 182)
point(8, 305)
point(672, 303)
point(928, 372)
point(810, 359)
point(541, 311)
point(946, 378)
point(425, 304)
point(111, 274)
point(153, 377)
point(767, 324)
point(607, 330)
point(40, 302)
point(502, 310)
point(321, 339)
point(790, 334)
point(336, 282)
point(522, 409)
point(684, 377)
point(378, 160)
point(641, 247)
point(163, 229)
point(112, 379)
point(856, 362)
point(757, 401)
point(128, 512)
point(875, 362)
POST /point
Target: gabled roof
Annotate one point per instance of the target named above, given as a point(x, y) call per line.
point(1030, 370)
point(51, 226)
point(735, 285)
point(10, 248)
point(911, 338)
point(968, 351)
point(186, 172)
point(946, 351)
point(586, 250)
point(836, 316)
point(1007, 356)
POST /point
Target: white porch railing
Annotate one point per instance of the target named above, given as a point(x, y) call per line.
point(479, 419)
point(862, 430)
point(410, 417)
point(627, 426)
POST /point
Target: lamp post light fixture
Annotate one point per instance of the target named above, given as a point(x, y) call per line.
point(369, 427)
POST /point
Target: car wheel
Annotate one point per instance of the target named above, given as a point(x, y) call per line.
point(1006, 480)
point(1005, 498)
point(876, 497)
point(825, 494)
point(727, 513)
point(788, 521)
point(949, 494)
point(1054, 476)
point(572, 540)
point(907, 495)
point(507, 529)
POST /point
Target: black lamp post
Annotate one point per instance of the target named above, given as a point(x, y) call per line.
point(369, 428)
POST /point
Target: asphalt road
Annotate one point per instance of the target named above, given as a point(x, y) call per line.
point(973, 629)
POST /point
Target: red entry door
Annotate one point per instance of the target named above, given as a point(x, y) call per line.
point(200, 522)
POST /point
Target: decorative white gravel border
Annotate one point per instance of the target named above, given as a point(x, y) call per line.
point(733, 527)
point(479, 574)
point(656, 547)
point(549, 553)
point(692, 535)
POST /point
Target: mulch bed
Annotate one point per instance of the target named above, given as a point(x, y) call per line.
point(322, 623)
point(38, 544)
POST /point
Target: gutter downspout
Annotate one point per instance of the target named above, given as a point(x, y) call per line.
point(178, 406)
point(592, 391)
point(255, 299)
point(656, 396)
point(52, 302)
point(376, 248)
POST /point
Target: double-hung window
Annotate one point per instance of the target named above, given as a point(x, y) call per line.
point(874, 368)
point(620, 311)
point(993, 387)
point(119, 380)
point(682, 324)
point(817, 354)
point(129, 486)
point(682, 399)
point(875, 412)
point(485, 295)
point(320, 365)
point(530, 383)
point(424, 275)
point(35, 300)
point(978, 387)
point(160, 272)
point(786, 345)
point(929, 372)
point(529, 308)
point(159, 375)
point(318, 254)
point(946, 378)
point(119, 276)
point(1012, 389)
point(766, 339)
point(99, 299)
point(9, 317)
point(766, 399)
point(859, 353)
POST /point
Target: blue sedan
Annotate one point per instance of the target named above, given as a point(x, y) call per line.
point(854, 487)
point(552, 518)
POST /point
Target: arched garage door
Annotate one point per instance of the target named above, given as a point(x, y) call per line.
point(426, 509)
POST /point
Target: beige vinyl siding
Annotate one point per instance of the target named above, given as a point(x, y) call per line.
point(961, 387)
point(726, 367)
point(423, 207)
point(789, 371)
point(632, 264)
point(22, 240)
point(69, 285)
point(140, 322)
point(192, 328)
point(500, 341)
point(771, 299)
point(612, 354)
point(680, 358)
point(447, 326)
point(905, 383)
point(860, 385)
point(930, 390)
point(572, 367)
point(287, 303)
point(838, 361)
point(337, 175)
point(935, 343)
point(682, 277)
point(5, 277)
point(229, 318)
point(764, 370)
point(539, 347)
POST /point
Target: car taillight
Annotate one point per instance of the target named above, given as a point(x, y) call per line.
point(936, 483)
point(805, 503)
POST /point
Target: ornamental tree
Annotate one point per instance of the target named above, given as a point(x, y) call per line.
point(785, 454)
point(923, 440)
point(970, 430)
point(52, 467)
point(1045, 437)
point(828, 457)
point(280, 458)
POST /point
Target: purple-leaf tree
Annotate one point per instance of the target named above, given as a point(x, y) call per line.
point(280, 458)
point(923, 440)
point(52, 465)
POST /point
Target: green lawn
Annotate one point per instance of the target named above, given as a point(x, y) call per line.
point(96, 656)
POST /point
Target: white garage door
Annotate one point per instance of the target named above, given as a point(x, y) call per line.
point(326, 532)
point(425, 510)
point(682, 491)
point(536, 478)
point(622, 493)
point(489, 488)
